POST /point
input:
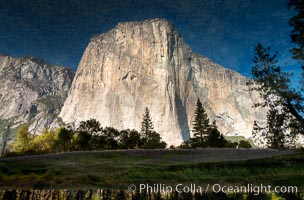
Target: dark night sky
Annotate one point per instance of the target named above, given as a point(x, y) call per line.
point(226, 31)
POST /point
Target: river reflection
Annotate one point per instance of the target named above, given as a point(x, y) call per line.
point(125, 195)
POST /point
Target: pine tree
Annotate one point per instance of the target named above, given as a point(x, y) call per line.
point(146, 125)
point(276, 127)
point(297, 33)
point(284, 103)
point(268, 75)
point(275, 83)
point(150, 138)
point(200, 126)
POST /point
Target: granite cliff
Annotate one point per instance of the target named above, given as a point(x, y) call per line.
point(32, 91)
point(148, 64)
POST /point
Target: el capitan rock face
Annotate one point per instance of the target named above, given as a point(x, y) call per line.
point(32, 91)
point(148, 64)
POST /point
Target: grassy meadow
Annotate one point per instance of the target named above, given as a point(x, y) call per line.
point(118, 169)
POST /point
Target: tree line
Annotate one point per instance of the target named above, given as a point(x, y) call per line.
point(89, 135)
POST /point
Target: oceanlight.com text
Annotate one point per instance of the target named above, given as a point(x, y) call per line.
point(216, 188)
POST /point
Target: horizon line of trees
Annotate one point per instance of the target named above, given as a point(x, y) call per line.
point(89, 135)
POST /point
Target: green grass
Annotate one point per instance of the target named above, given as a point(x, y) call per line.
point(118, 169)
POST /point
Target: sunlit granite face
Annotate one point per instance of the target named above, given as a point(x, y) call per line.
point(148, 64)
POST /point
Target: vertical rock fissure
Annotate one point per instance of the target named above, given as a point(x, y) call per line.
point(182, 117)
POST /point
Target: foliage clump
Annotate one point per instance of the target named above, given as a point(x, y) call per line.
point(89, 135)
